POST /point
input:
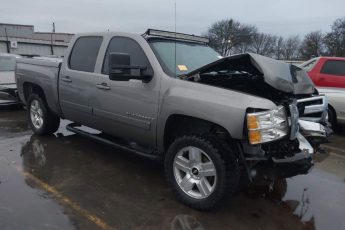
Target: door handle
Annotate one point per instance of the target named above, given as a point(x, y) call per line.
point(322, 79)
point(103, 85)
point(66, 79)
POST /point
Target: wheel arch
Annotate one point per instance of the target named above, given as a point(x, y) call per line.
point(178, 125)
point(29, 88)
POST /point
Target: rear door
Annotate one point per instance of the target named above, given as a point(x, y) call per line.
point(127, 108)
point(77, 80)
point(332, 74)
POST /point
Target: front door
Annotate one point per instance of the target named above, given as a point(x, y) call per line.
point(127, 108)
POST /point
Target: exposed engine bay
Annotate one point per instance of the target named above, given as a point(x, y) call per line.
point(251, 73)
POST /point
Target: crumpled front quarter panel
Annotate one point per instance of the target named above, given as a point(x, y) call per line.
point(224, 107)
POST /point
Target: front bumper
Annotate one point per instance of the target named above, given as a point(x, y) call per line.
point(310, 136)
point(298, 163)
point(306, 151)
point(302, 166)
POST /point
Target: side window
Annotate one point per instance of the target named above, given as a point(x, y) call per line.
point(84, 53)
point(125, 45)
point(334, 67)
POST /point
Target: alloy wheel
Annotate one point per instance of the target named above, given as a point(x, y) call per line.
point(195, 172)
point(36, 114)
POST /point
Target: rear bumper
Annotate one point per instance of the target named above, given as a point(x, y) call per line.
point(9, 95)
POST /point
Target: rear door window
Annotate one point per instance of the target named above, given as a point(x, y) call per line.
point(84, 53)
point(334, 67)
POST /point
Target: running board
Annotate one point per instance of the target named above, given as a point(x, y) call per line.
point(97, 137)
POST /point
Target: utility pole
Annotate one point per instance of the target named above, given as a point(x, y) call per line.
point(7, 42)
point(51, 39)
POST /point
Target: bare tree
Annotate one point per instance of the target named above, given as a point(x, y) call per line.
point(335, 40)
point(263, 44)
point(221, 35)
point(245, 38)
point(312, 45)
point(229, 36)
point(290, 48)
point(278, 49)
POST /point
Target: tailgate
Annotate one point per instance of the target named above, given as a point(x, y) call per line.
point(7, 78)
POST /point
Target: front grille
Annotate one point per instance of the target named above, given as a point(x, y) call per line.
point(311, 102)
point(282, 148)
point(314, 108)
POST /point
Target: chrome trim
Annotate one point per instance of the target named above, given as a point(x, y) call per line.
point(309, 128)
point(317, 108)
point(293, 120)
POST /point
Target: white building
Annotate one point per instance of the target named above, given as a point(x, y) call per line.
point(22, 39)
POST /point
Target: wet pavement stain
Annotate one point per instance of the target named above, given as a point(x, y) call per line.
point(129, 192)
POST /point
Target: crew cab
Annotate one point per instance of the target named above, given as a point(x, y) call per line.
point(213, 121)
point(328, 74)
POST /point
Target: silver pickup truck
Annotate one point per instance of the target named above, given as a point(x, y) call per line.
point(213, 121)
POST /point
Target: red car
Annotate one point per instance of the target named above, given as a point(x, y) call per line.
point(326, 71)
point(328, 74)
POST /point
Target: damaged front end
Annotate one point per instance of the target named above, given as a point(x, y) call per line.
point(289, 153)
point(282, 140)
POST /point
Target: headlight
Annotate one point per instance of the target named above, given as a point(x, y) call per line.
point(267, 126)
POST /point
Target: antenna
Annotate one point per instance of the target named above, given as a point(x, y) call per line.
point(175, 40)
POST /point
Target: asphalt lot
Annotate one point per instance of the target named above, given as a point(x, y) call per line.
point(65, 181)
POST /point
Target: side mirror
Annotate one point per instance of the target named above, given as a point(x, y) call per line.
point(120, 69)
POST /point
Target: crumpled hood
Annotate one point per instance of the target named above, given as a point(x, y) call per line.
point(278, 74)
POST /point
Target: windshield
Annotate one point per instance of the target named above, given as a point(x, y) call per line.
point(7, 63)
point(189, 56)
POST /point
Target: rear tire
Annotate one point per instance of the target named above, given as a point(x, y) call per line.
point(201, 170)
point(42, 121)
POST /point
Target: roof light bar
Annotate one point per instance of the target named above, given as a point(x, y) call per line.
point(168, 34)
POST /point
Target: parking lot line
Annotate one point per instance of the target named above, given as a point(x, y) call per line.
point(68, 202)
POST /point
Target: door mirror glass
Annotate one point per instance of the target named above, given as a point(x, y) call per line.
point(120, 69)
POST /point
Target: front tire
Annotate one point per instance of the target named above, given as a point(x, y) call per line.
point(201, 171)
point(41, 120)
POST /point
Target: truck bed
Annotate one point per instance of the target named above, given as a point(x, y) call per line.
point(43, 72)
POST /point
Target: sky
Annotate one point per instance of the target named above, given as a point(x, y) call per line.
point(278, 17)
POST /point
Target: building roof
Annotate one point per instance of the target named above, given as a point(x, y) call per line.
point(9, 24)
